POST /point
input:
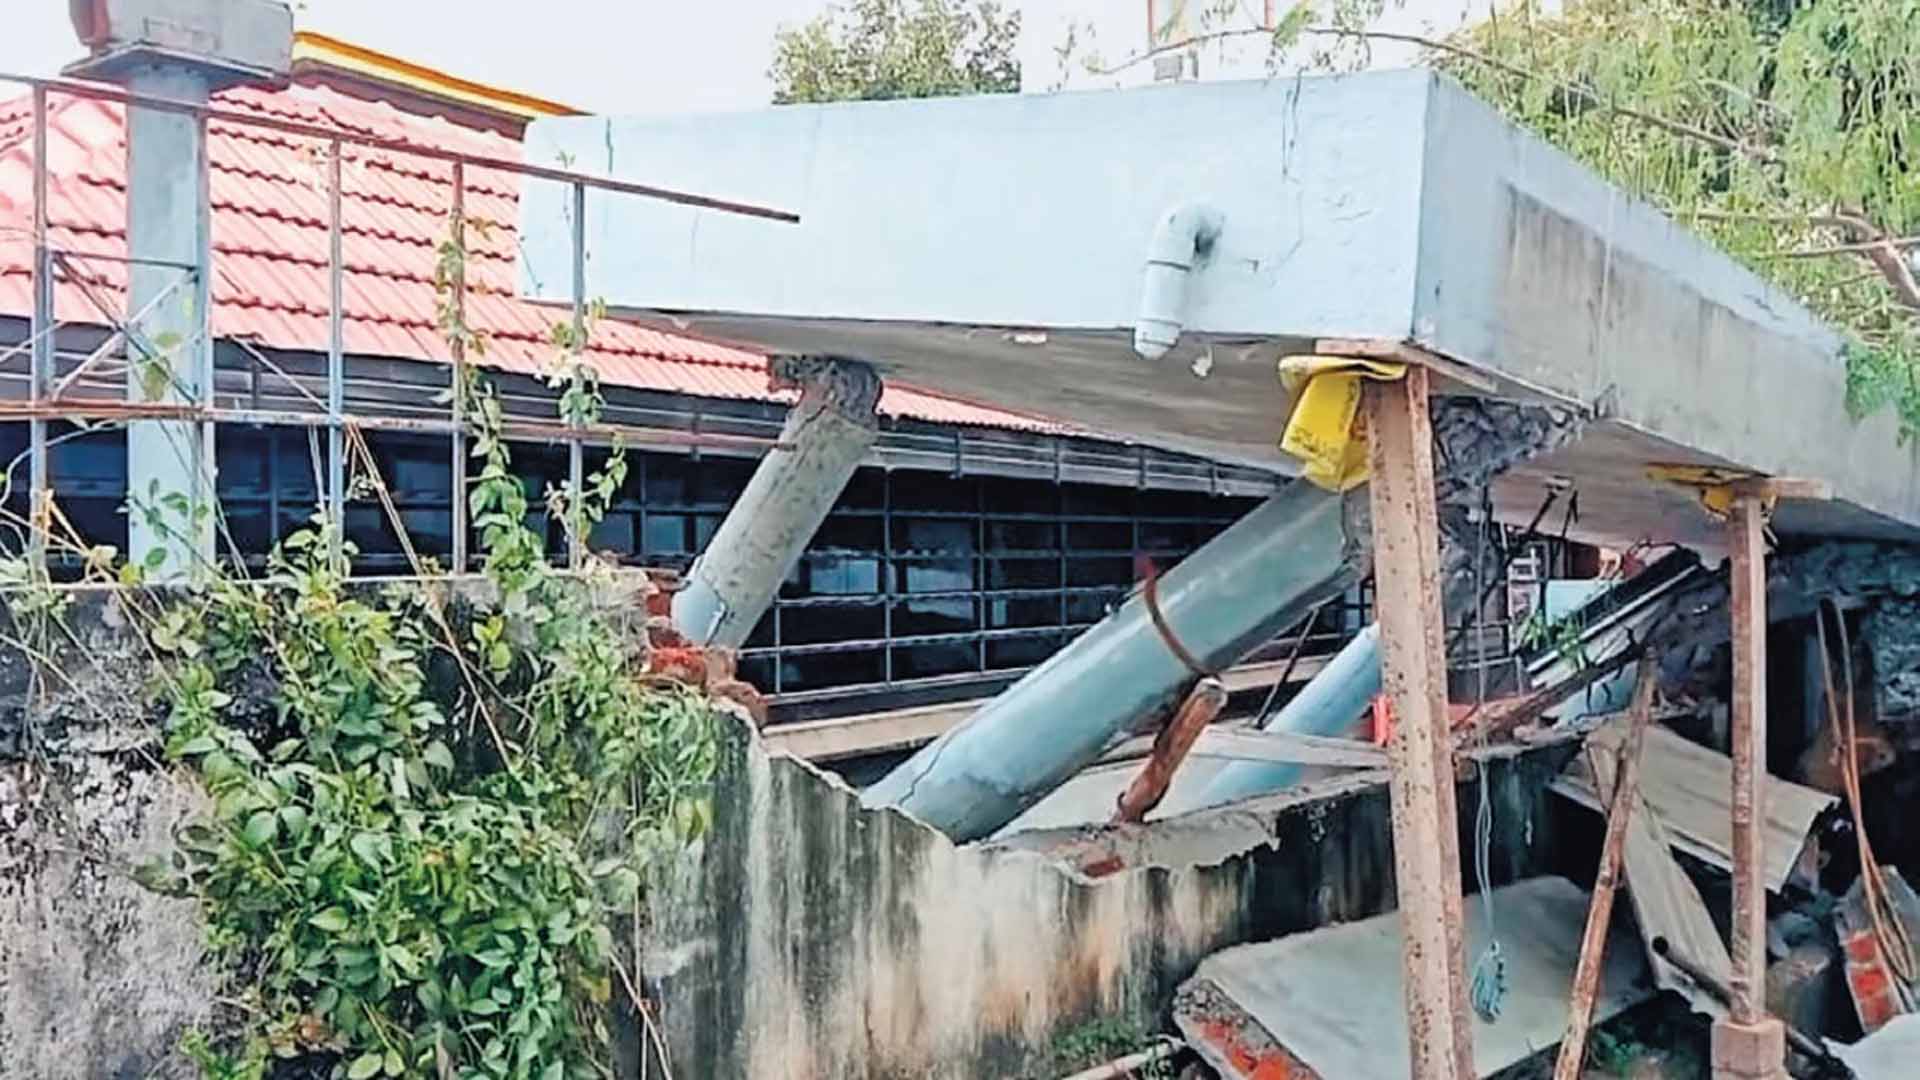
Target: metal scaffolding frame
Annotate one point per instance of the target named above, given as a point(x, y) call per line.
point(48, 401)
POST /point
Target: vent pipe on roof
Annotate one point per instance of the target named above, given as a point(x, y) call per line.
point(181, 50)
point(1181, 243)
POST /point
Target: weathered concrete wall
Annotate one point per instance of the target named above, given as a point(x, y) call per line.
point(810, 938)
point(99, 978)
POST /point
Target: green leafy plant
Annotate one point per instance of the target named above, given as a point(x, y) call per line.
point(870, 50)
point(1106, 1039)
point(427, 813)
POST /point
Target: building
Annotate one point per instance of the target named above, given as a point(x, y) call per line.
point(974, 543)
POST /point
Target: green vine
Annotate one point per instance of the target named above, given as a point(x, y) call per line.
point(427, 814)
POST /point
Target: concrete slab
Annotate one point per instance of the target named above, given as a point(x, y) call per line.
point(994, 248)
point(1330, 999)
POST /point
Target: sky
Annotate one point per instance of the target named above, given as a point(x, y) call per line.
point(625, 56)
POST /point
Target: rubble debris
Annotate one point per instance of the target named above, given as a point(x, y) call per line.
point(1623, 798)
point(1326, 1003)
point(1666, 904)
point(1879, 994)
point(1689, 788)
point(1887, 1054)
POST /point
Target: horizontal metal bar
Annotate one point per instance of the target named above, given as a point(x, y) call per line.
point(863, 644)
point(128, 411)
point(398, 146)
point(123, 260)
point(875, 598)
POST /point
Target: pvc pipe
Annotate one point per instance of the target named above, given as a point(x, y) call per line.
point(1181, 242)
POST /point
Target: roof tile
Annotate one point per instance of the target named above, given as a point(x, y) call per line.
point(271, 246)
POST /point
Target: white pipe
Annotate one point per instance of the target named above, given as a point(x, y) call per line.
point(1181, 242)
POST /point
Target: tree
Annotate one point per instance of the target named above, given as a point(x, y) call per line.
point(873, 50)
point(1786, 131)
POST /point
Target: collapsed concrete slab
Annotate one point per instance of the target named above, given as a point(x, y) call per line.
point(808, 937)
point(1022, 249)
point(1327, 1003)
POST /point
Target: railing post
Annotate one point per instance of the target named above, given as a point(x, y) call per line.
point(459, 346)
point(576, 465)
point(336, 494)
point(41, 333)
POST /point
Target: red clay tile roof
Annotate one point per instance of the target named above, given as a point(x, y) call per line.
point(270, 246)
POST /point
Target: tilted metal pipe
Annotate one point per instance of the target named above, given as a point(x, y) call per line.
point(827, 434)
point(1328, 705)
point(1261, 575)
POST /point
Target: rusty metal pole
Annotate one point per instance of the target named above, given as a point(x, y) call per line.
point(1426, 838)
point(1748, 1044)
point(1749, 717)
point(1593, 943)
point(1203, 703)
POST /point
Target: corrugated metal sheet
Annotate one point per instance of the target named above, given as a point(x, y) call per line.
point(1666, 903)
point(1690, 787)
point(271, 249)
point(1329, 1000)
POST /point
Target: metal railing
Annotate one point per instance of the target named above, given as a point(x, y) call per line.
point(49, 400)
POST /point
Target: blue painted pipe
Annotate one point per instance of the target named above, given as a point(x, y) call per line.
point(1236, 592)
point(1328, 705)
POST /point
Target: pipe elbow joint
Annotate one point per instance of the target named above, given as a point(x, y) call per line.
point(1181, 243)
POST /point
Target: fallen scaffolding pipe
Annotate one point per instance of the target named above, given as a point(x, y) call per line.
point(1258, 577)
point(827, 434)
point(1328, 705)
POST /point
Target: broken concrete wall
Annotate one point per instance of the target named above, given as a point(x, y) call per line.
point(98, 977)
point(810, 938)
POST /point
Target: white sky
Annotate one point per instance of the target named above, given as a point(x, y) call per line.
point(623, 55)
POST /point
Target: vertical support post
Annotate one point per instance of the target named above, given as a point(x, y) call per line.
point(40, 491)
point(459, 346)
point(1748, 1044)
point(1746, 543)
point(1426, 842)
point(1593, 940)
point(336, 494)
point(576, 466)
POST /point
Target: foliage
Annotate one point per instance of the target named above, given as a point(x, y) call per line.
point(873, 50)
point(1788, 133)
point(1102, 1040)
point(416, 850)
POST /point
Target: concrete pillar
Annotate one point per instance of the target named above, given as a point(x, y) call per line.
point(827, 435)
point(1328, 705)
point(168, 226)
point(182, 51)
point(1258, 577)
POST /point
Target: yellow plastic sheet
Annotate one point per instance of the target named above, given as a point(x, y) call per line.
point(1326, 431)
point(1713, 485)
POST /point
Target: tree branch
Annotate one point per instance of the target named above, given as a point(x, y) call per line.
point(1585, 94)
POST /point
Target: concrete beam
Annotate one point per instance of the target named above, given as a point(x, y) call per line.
point(1426, 842)
point(1247, 584)
point(827, 433)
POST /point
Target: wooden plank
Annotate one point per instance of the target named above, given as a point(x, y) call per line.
point(1426, 843)
point(1170, 747)
point(1746, 544)
point(1666, 904)
point(1689, 788)
point(842, 737)
point(1408, 353)
point(1289, 749)
point(1593, 940)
